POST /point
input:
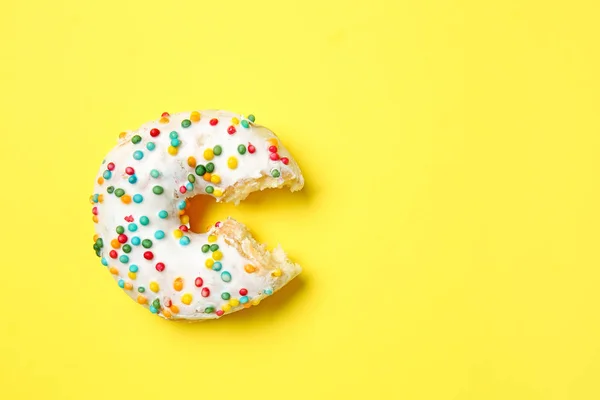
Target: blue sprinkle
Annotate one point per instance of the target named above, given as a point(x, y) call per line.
point(121, 283)
point(173, 135)
point(226, 276)
point(136, 241)
point(138, 198)
point(184, 241)
point(132, 179)
point(268, 291)
point(132, 227)
point(175, 142)
point(133, 268)
point(144, 220)
point(163, 214)
point(217, 266)
point(107, 174)
point(154, 173)
point(104, 262)
point(181, 205)
point(95, 198)
point(150, 146)
point(138, 154)
point(124, 259)
point(189, 186)
point(244, 299)
point(153, 310)
point(159, 234)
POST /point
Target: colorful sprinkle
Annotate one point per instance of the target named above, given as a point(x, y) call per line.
point(205, 292)
point(186, 299)
point(138, 198)
point(199, 282)
point(186, 123)
point(154, 173)
point(232, 162)
point(136, 139)
point(217, 150)
point(226, 276)
point(138, 154)
point(150, 146)
point(157, 189)
point(159, 234)
point(163, 214)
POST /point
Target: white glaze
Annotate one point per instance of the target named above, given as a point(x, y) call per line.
point(185, 262)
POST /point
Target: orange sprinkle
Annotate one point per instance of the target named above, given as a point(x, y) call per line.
point(115, 244)
point(249, 268)
point(100, 198)
point(100, 180)
point(181, 212)
point(141, 299)
point(272, 141)
point(96, 236)
point(95, 218)
point(195, 116)
point(191, 161)
point(174, 309)
point(114, 271)
point(122, 135)
point(126, 199)
point(128, 286)
point(178, 284)
point(164, 120)
point(206, 176)
point(167, 313)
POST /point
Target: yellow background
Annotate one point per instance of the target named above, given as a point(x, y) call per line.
point(449, 227)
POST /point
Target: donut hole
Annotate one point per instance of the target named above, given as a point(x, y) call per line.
point(204, 212)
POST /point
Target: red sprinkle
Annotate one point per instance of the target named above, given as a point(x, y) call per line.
point(110, 166)
point(168, 303)
point(243, 292)
point(231, 130)
point(274, 156)
point(113, 254)
point(219, 312)
point(154, 132)
point(214, 121)
point(129, 218)
point(205, 292)
point(182, 189)
point(148, 255)
point(251, 148)
point(285, 160)
point(95, 210)
point(129, 171)
point(122, 238)
point(273, 149)
point(160, 267)
point(165, 114)
point(198, 282)
point(183, 228)
point(217, 224)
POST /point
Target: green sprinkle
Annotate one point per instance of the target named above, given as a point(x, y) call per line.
point(242, 149)
point(245, 124)
point(217, 150)
point(214, 247)
point(186, 123)
point(147, 243)
point(209, 189)
point(210, 167)
point(119, 192)
point(120, 229)
point(136, 139)
point(200, 170)
point(209, 309)
point(110, 189)
point(225, 296)
point(127, 248)
point(96, 247)
point(275, 173)
point(141, 289)
point(191, 178)
point(158, 189)
point(100, 242)
point(156, 303)
point(251, 117)
point(205, 248)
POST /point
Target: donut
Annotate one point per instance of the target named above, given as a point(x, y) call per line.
point(140, 210)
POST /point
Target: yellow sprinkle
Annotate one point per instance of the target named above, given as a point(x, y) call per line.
point(114, 271)
point(122, 135)
point(95, 218)
point(209, 262)
point(141, 299)
point(191, 161)
point(91, 200)
point(208, 154)
point(178, 284)
point(217, 255)
point(128, 286)
point(195, 116)
point(186, 299)
point(154, 287)
point(174, 309)
point(255, 301)
point(212, 239)
point(218, 193)
point(184, 219)
point(215, 178)
point(172, 150)
point(226, 307)
point(164, 120)
point(232, 162)
point(177, 233)
point(234, 302)
point(181, 212)
point(235, 121)
point(249, 268)
point(131, 275)
point(276, 273)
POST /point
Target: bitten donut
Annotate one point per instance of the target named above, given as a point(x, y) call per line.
point(140, 203)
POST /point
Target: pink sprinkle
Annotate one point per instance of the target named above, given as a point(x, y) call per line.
point(110, 166)
point(182, 189)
